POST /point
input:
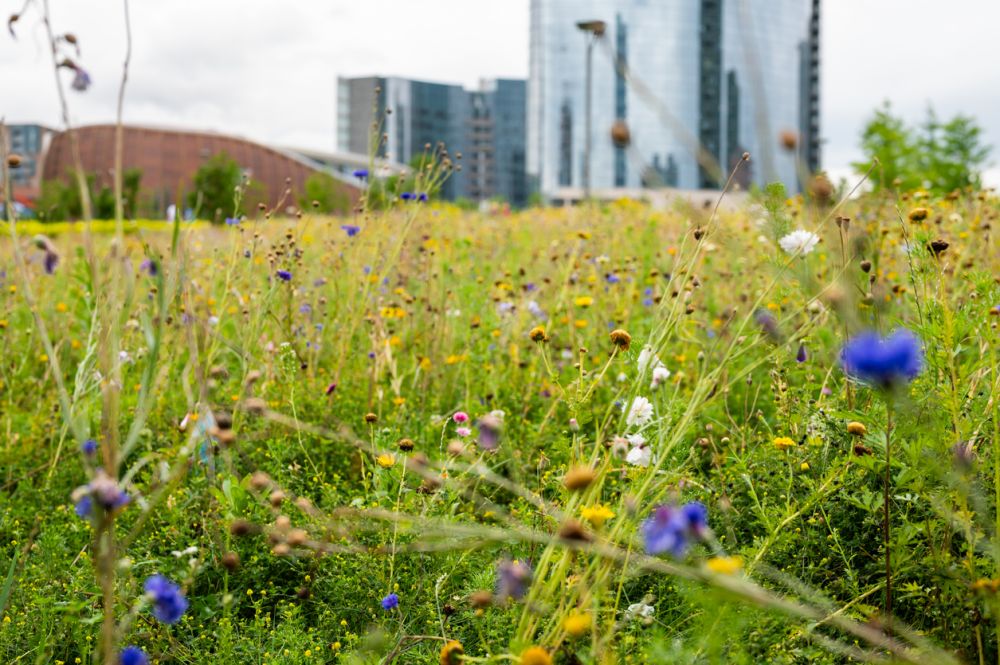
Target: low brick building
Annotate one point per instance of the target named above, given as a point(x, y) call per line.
point(169, 159)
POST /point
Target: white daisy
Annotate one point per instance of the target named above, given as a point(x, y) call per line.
point(660, 376)
point(799, 241)
point(639, 456)
point(640, 412)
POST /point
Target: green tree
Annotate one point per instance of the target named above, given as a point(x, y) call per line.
point(214, 191)
point(941, 157)
point(325, 194)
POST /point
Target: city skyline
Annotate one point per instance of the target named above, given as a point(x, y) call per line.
point(299, 51)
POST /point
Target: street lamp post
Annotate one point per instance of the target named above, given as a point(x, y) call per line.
point(594, 31)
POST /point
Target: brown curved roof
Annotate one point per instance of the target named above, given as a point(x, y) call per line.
point(169, 159)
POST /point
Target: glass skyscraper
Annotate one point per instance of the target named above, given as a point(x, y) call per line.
point(486, 126)
point(686, 77)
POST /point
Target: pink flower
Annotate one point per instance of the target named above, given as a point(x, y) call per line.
point(463, 431)
point(460, 417)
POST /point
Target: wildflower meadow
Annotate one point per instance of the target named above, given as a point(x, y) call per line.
point(602, 434)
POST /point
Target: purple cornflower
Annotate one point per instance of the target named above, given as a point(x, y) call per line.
point(768, 324)
point(133, 655)
point(232, 221)
point(81, 80)
point(489, 432)
point(169, 603)
point(670, 529)
point(84, 506)
point(51, 261)
point(513, 579)
point(883, 362)
point(390, 602)
point(284, 275)
point(351, 230)
point(802, 355)
point(88, 447)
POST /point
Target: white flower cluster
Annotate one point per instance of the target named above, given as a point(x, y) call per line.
point(799, 241)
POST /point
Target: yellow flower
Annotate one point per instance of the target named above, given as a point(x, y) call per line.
point(783, 443)
point(580, 323)
point(425, 363)
point(725, 565)
point(583, 301)
point(597, 514)
point(385, 460)
point(804, 466)
point(454, 359)
point(856, 428)
point(577, 624)
point(451, 653)
point(535, 656)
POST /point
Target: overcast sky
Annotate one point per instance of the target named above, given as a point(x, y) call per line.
point(266, 69)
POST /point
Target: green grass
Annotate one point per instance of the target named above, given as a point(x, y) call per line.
point(427, 312)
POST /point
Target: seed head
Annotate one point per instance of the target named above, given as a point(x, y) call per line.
point(579, 478)
point(621, 339)
point(856, 429)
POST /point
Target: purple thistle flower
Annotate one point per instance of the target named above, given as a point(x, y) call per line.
point(133, 655)
point(883, 362)
point(513, 579)
point(284, 275)
point(390, 602)
point(169, 603)
point(351, 230)
point(330, 388)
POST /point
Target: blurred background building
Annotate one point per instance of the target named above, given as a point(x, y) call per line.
point(730, 76)
point(483, 130)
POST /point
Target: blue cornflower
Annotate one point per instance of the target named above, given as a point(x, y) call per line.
point(612, 278)
point(84, 507)
point(670, 529)
point(88, 447)
point(169, 603)
point(768, 324)
point(422, 197)
point(232, 221)
point(284, 275)
point(390, 602)
point(407, 196)
point(361, 174)
point(883, 362)
point(133, 655)
point(351, 230)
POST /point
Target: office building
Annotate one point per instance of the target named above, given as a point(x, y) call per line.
point(730, 76)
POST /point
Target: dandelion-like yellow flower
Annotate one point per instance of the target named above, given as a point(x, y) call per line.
point(725, 565)
point(577, 624)
point(597, 514)
point(535, 656)
point(783, 443)
point(385, 460)
point(537, 334)
point(918, 215)
point(583, 301)
point(451, 653)
point(857, 429)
